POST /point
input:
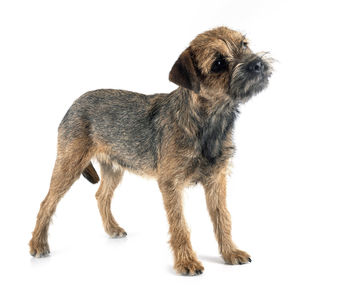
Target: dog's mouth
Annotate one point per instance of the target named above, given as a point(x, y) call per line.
point(250, 76)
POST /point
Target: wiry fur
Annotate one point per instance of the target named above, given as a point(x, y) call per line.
point(180, 138)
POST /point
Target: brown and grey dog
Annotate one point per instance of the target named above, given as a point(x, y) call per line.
point(181, 138)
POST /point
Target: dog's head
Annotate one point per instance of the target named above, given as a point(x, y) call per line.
point(219, 63)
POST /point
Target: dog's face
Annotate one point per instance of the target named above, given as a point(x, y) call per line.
point(219, 62)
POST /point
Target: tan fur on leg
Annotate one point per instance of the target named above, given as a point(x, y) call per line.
point(186, 261)
point(110, 180)
point(71, 161)
point(215, 194)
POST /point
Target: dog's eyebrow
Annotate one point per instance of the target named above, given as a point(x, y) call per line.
point(234, 44)
point(231, 45)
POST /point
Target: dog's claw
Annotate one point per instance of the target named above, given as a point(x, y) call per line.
point(40, 254)
point(191, 268)
point(120, 233)
point(237, 257)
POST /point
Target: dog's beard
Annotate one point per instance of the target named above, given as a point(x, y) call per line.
point(245, 84)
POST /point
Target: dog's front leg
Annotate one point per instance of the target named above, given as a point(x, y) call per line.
point(186, 261)
point(215, 193)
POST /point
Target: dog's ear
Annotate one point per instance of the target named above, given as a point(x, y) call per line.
point(183, 73)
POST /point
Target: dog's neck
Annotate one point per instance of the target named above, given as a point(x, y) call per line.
point(206, 120)
point(203, 108)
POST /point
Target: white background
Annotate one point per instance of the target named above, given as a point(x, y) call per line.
point(289, 190)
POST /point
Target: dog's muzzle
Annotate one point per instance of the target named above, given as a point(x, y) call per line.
point(250, 76)
point(256, 66)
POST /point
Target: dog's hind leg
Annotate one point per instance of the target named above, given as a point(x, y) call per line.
point(110, 178)
point(72, 158)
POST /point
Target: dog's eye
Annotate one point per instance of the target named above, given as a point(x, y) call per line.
point(219, 65)
point(244, 45)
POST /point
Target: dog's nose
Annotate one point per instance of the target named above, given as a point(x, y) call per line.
point(256, 66)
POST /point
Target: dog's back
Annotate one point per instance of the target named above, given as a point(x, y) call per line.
point(116, 119)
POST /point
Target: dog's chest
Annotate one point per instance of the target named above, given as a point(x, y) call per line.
point(214, 134)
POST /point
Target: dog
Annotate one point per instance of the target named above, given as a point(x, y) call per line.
point(180, 138)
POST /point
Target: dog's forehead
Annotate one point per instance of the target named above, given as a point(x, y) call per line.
point(208, 45)
point(218, 37)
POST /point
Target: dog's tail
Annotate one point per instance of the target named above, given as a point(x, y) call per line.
point(90, 174)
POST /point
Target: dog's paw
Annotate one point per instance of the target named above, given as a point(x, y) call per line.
point(189, 267)
point(39, 250)
point(237, 257)
point(117, 233)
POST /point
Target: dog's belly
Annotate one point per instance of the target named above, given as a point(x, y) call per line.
point(117, 164)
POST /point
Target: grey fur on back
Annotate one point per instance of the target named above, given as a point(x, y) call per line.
point(119, 119)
